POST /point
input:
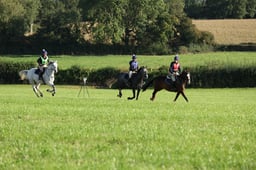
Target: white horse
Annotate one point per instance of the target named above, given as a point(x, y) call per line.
point(48, 77)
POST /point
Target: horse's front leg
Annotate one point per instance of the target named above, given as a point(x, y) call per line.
point(53, 91)
point(177, 95)
point(138, 93)
point(133, 91)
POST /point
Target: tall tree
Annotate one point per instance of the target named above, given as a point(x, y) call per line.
point(251, 9)
point(236, 9)
point(31, 12)
point(59, 19)
point(11, 19)
point(194, 8)
point(131, 22)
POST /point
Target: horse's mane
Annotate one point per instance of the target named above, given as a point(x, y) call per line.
point(50, 62)
point(142, 67)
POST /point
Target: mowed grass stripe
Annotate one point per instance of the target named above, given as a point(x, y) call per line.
point(215, 130)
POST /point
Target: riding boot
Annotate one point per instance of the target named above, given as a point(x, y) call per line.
point(40, 75)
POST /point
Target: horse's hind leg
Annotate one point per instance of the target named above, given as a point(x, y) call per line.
point(35, 91)
point(120, 93)
point(37, 87)
point(153, 95)
point(184, 96)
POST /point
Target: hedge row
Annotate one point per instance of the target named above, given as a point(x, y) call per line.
point(201, 77)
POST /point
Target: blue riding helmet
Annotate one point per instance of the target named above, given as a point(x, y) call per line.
point(44, 52)
point(176, 58)
point(134, 56)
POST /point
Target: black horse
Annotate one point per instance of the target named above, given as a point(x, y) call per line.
point(161, 82)
point(137, 82)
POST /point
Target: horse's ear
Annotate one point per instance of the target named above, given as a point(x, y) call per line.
point(186, 70)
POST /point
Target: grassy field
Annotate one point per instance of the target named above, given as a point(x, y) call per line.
point(229, 31)
point(215, 130)
point(217, 59)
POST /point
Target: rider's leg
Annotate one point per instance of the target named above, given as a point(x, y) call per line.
point(130, 74)
point(130, 77)
point(41, 71)
point(173, 77)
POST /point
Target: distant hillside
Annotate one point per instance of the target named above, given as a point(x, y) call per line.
point(230, 31)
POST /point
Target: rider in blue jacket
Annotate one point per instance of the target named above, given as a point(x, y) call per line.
point(134, 66)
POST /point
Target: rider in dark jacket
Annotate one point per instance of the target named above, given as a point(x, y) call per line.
point(133, 66)
point(42, 62)
point(174, 69)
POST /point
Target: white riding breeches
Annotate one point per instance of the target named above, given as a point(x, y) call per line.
point(130, 74)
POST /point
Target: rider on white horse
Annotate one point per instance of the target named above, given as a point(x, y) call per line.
point(42, 61)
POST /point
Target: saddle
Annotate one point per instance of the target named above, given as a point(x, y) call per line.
point(128, 81)
point(40, 74)
point(169, 82)
point(37, 71)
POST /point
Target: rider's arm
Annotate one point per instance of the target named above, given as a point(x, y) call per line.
point(39, 61)
point(171, 68)
point(179, 69)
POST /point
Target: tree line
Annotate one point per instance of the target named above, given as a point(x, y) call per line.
point(220, 9)
point(110, 26)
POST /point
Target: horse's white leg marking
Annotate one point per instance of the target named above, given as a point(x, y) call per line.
point(37, 87)
point(35, 90)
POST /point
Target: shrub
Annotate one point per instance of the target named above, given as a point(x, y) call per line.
point(201, 77)
point(9, 71)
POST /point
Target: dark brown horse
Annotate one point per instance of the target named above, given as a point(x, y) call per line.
point(160, 83)
point(137, 82)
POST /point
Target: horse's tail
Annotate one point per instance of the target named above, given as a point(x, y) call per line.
point(23, 74)
point(144, 88)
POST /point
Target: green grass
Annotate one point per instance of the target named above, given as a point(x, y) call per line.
point(215, 130)
point(218, 59)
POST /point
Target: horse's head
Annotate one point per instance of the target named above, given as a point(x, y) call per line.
point(53, 65)
point(144, 71)
point(185, 76)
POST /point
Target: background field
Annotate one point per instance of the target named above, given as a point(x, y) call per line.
point(216, 130)
point(229, 31)
point(214, 59)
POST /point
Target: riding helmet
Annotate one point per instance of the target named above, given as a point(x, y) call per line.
point(134, 56)
point(176, 57)
point(44, 52)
